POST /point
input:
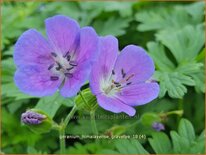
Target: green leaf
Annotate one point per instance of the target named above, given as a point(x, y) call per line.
point(196, 10)
point(160, 143)
point(180, 144)
point(186, 130)
point(157, 52)
point(113, 26)
point(124, 8)
point(51, 104)
point(125, 146)
point(166, 18)
point(173, 83)
point(186, 43)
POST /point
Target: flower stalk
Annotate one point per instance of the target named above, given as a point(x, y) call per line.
point(62, 129)
point(93, 122)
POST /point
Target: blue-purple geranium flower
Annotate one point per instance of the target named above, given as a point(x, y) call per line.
point(121, 81)
point(63, 61)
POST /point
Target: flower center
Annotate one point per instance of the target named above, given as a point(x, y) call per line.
point(63, 66)
point(110, 87)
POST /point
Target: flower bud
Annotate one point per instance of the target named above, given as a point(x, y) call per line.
point(86, 100)
point(37, 121)
point(31, 117)
point(158, 126)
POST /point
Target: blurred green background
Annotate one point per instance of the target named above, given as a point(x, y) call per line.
point(171, 32)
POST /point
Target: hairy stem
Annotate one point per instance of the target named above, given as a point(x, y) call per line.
point(62, 129)
point(93, 122)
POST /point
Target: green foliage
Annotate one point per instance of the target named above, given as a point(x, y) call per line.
point(170, 18)
point(51, 104)
point(184, 141)
point(185, 48)
point(125, 146)
point(172, 33)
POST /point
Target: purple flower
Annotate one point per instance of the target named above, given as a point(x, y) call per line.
point(158, 126)
point(31, 117)
point(122, 81)
point(64, 61)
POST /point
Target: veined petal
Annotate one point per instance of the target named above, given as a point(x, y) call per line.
point(32, 48)
point(133, 60)
point(88, 45)
point(62, 33)
point(139, 94)
point(102, 69)
point(114, 105)
point(35, 81)
point(73, 85)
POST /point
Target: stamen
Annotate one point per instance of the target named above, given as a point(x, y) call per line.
point(59, 66)
point(73, 63)
point(51, 66)
point(69, 75)
point(129, 83)
point(123, 73)
point(113, 72)
point(68, 58)
point(68, 69)
point(66, 54)
point(54, 78)
point(129, 77)
point(53, 54)
point(115, 82)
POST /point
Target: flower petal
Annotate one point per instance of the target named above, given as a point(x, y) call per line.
point(62, 33)
point(32, 48)
point(134, 60)
point(114, 105)
point(73, 85)
point(139, 94)
point(88, 45)
point(34, 81)
point(103, 67)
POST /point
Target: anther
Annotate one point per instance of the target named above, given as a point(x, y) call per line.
point(123, 73)
point(129, 77)
point(68, 69)
point(69, 75)
point(53, 54)
point(51, 66)
point(59, 66)
point(66, 54)
point(73, 63)
point(54, 78)
point(115, 82)
point(113, 72)
point(68, 57)
point(129, 83)
point(118, 85)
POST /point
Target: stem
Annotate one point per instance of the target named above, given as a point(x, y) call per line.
point(69, 116)
point(175, 112)
point(62, 129)
point(93, 122)
point(62, 140)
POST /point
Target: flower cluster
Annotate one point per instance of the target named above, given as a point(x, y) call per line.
point(72, 55)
